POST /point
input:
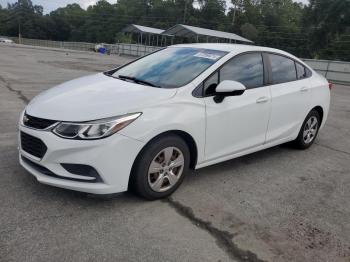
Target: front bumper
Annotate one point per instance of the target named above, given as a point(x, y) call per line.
point(111, 157)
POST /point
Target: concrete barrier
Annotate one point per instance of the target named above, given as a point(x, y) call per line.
point(334, 71)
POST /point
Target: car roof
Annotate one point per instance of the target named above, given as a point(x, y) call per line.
point(234, 48)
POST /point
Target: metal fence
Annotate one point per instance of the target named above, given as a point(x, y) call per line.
point(81, 46)
point(115, 49)
point(130, 49)
point(335, 71)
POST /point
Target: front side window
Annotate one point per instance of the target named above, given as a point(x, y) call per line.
point(283, 69)
point(247, 69)
point(211, 83)
point(171, 67)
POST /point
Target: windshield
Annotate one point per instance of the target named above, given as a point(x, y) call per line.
point(169, 68)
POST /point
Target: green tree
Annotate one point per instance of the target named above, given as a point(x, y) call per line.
point(212, 13)
point(101, 24)
point(69, 21)
point(320, 29)
point(328, 24)
point(27, 18)
point(249, 31)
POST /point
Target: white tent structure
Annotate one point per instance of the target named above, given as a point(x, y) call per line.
point(142, 29)
point(203, 34)
point(147, 35)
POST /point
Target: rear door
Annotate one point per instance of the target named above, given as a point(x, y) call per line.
point(290, 96)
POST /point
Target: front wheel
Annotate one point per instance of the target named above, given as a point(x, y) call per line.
point(308, 131)
point(161, 167)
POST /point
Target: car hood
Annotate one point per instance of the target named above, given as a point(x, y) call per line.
point(95, 97)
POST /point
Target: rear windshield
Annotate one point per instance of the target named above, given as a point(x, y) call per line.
point(169, 68)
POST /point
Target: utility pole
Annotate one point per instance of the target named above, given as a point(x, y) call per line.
point(185, 11)
point(236, 4)
point(19, 32)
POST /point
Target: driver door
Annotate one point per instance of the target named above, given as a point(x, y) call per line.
point(238, 123)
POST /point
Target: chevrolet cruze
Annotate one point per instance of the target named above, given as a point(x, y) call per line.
point(145, 124)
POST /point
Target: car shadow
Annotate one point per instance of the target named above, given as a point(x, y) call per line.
point(232, 164)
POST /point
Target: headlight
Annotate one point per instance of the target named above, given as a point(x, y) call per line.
point(94, 129)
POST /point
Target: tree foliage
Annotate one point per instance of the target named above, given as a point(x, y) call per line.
point(319, 30)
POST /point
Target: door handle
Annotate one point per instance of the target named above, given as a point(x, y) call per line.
point(304, 89)
point(263, 99)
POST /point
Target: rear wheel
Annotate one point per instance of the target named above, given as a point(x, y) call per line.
point(308, 131)
point(161, 167)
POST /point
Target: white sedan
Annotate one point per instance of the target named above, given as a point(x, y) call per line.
point(144, 124)
point(6, 40)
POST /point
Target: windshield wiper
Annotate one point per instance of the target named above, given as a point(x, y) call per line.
point(136, 80)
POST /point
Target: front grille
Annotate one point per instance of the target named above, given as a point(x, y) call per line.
point(33, 145)
point(37, 123)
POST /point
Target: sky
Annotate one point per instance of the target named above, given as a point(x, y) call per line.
point(50, 5)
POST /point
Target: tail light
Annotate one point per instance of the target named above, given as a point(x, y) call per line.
point(330, 86)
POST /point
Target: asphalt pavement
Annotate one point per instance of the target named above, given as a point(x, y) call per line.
point(279, 204)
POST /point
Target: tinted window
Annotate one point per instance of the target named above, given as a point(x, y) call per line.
point(170, 67)
point(301, 72)
point(211, 83)
point(247, 69)
point(283, 69)
point(308, 72)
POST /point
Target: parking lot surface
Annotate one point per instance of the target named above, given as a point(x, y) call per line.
point(279, 204)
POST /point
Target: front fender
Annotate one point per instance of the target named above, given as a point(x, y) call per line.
point(186, 116)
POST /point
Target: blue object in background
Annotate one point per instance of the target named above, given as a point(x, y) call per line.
point(102, 50)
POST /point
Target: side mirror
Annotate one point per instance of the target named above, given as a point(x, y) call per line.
point(228, 88)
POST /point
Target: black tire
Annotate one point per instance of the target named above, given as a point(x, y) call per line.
point(300, 142)
point(140, 178)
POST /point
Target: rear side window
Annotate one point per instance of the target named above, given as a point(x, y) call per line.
point(300, 71)
point(247, 69)
point(283, 69)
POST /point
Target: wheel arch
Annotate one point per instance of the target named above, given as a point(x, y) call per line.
point(189, 140)
point(320, 111)
point(192, 145)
